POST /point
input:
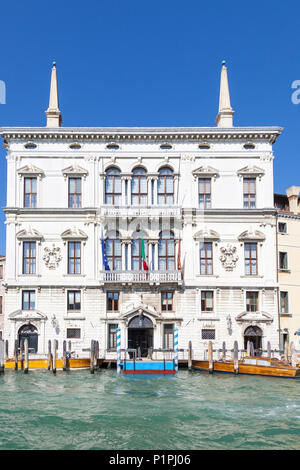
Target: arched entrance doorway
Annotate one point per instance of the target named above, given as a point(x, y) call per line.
point(29, 332)
point(140, 334)
point(254, 335)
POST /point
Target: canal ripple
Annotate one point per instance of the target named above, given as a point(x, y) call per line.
point(192, 410)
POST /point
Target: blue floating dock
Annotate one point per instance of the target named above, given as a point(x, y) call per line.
point(148, 367)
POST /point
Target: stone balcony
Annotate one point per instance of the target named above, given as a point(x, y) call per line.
point(141, 277)
point(140, 211)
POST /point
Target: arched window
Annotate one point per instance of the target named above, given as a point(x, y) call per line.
point(113, 251)
point(113, 189)
point(166, 251)
point(136, 252)
point(165, 186)
point(139, 191)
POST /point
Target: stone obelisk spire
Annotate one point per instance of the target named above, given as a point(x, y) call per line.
point(53, 113)
point(225, 115)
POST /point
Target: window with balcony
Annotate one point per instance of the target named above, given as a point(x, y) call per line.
point(204, 185)
point(250, 251)
point(249, 190)
point(207, 301)
point(28, 300)
point(284, 303)
point(29, 257)
point(74, 192)
point(30, 192)
point(166, 251)
point(74, 301)
point(252, 301)
point(206, 258)
point(113, 190)
point(112, 336)
point(74, 257)
point(139, 192)
point(165, 186)
point(112, 301)
point(168, 336)
point(113, 251)
point(167, 301)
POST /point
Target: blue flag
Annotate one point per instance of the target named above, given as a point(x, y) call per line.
point(104, 258)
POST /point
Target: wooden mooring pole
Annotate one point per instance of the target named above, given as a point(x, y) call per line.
point(210, 357)
point(55, 347)
point(224, 351)
point(49, 355)
point(286, 351)
point(268, 349)
point(190, 355)
point(21, 354)
point(26, 356)
point(236, 357)
point(65, 355)
point(16, 354)
point(2, 359)
point(92, 362)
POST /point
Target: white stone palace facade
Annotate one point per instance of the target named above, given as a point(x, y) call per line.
point(200, 200)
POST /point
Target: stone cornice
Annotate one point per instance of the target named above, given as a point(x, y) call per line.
point(141, 134)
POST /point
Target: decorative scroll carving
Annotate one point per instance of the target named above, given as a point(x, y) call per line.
point(229, 257)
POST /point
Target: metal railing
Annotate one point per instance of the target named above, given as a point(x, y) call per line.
point(140, 276)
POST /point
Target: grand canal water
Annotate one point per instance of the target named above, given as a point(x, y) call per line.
point(77, 410)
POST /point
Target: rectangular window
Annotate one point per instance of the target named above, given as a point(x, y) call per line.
point(251, 259)
point(207, 301)
point(282, 227)
point(168, 340)
point(74, 192)
point(283, 260)
point(28, 300)
point(74, 258)
point(206, 258)
point(167, 301)
point(0, 305)
point(112, 301)
point(208, 334)
point(73, 333)
point(204, 193)
point(30, 192)
point(249, 190)
point(252, 301)
point(29, 257)
point(74, 300)
point(284, 302)
point(112, 336)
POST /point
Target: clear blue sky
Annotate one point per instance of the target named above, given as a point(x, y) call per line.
point(153, 63)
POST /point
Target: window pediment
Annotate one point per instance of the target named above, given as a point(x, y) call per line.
point(74, 171)
point(30, 170)
point(251, 172)
point(30, 234)
point(206, 235)
point(74, 234)
point(205, 172)
point(253, 235)
point(22, 315)
point(250, 317)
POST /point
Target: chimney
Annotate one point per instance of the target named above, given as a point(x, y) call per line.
point(293, 194)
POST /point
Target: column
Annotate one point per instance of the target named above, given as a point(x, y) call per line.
point(149, 191)
point(102, 184)
point(176, 186)
point(155, 190)
point(129, 256)
point(156, 255)
point(123, 244)
point(123, 197)
point(129, 191)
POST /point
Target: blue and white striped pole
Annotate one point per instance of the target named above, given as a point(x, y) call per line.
point(176, 349)
point(118, 350)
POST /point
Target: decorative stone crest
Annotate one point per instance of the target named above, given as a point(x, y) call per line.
point(229, 257)
point(52, 257)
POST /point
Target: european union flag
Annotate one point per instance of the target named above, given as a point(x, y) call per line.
point(104, 258)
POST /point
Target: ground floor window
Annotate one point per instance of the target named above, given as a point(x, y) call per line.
point(168, 338)
point(112, 301)
point(73, 333)
point(284, 302)
point(112, 336)
point(207, 301)
point(208, 334)
point(167, 301)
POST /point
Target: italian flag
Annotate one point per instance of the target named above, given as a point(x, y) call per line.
point(145, 266)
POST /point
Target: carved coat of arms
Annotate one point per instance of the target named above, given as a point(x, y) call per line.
point(52, 257)
point(228, 257)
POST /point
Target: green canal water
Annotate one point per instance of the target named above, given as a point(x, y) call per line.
point(192, 410)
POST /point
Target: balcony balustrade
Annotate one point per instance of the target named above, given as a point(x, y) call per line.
point(145, 277)
point(140, 211)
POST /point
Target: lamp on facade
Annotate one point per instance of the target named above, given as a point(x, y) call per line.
point(229, 324)
point(54, 321)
